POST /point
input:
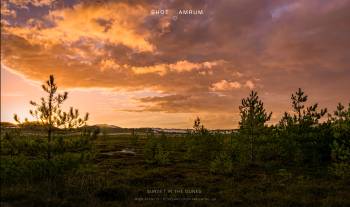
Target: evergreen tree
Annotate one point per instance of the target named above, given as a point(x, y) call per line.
point(49, 113)
point(303, 137)
point(298, 101)
point(253, 119)
point(198, 127)
point(304, 116)
point(341, 144)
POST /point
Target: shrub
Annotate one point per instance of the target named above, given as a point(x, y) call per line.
point(222, 164)
point(341, 160)
point(203, 146)
point(155, 151)
point(134, 139)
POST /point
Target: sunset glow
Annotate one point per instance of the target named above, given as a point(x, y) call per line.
point(128, 66)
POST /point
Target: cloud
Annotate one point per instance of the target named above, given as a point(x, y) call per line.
point(180, 66)
point(37, 3)
point(97, 24)
point(250, 84)
point(109, 64)
point(205, 63)
point(209, 103)
point(6, 11)
point(224, 85)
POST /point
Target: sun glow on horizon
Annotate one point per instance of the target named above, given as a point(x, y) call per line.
point(130, 68)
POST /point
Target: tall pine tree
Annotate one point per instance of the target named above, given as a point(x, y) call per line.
point(49, 113)
point(253, 119)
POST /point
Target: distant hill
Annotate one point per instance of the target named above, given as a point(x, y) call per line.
point(107, 126)
point(8, 125)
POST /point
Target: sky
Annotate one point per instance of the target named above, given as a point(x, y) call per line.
point(129, 66)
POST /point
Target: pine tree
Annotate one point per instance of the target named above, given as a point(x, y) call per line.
point(298, 100)
point(341, 144)
point(303, 136)
point(305, 117)
point(198, 127)
point(49, 113)
point(253, 119)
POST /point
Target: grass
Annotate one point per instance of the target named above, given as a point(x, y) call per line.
point(121, 179)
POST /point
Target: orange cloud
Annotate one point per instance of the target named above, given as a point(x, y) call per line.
point(250, 84)
point(115, 23)
point(224, 85)
point(180, 66)
point(109, 64)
